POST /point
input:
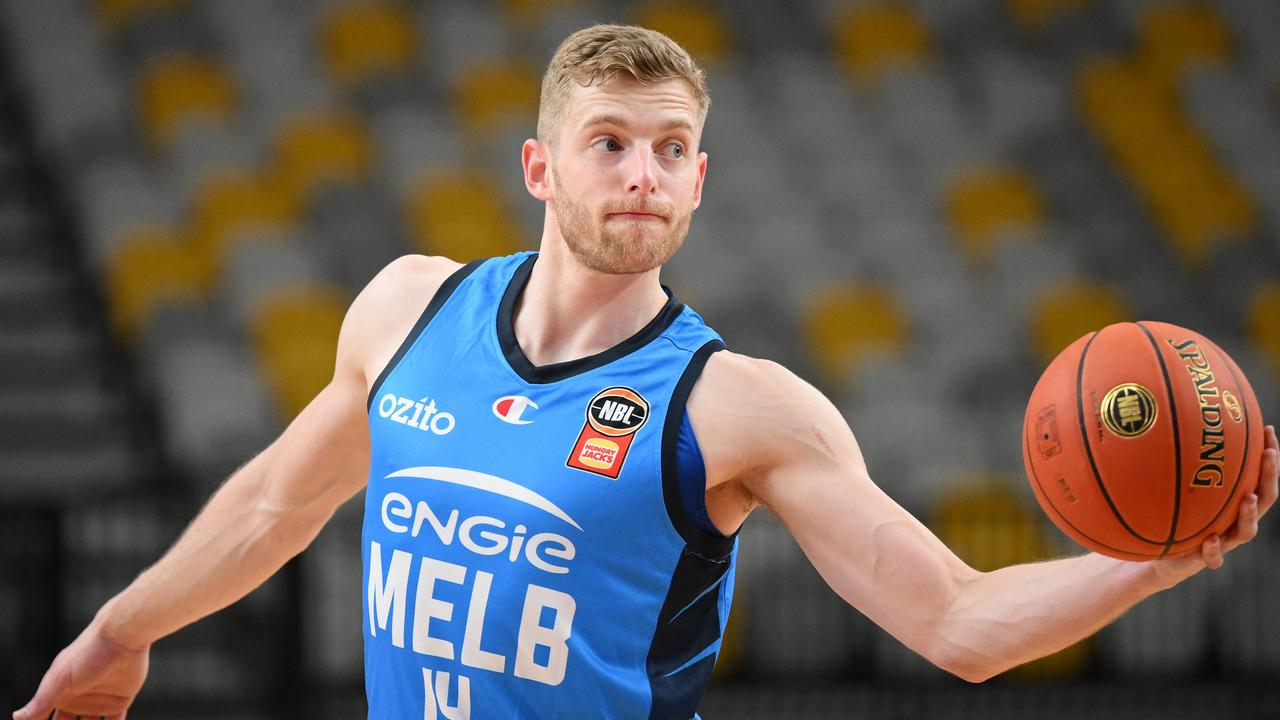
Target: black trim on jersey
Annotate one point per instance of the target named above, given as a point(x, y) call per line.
point(445, 290)
point(710, 545)
point(689, 621)
point(688, 624)
point(556, 372)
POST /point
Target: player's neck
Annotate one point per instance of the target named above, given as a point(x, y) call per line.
point(568, 311)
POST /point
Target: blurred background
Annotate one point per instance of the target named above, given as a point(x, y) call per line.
point(915, 205)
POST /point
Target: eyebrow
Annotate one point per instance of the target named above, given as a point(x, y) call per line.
point(616, 121)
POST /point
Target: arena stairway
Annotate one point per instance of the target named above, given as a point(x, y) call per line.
point(63, 400)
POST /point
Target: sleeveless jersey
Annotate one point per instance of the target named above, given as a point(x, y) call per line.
point(527, 553)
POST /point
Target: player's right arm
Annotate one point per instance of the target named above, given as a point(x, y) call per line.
point(264, 514)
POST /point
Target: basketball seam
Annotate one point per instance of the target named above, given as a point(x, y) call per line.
point(1088, 448)
point(1177, 440)
point(1244, 457)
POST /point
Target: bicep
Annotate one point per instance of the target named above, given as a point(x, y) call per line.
point(870, 550)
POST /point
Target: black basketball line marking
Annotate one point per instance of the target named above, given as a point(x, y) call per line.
point(1054, 506)
point(1177, 443)
point(1244, 458)
point(1088, 448)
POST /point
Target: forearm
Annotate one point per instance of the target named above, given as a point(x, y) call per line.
point(1001, 619)
point(233, 545)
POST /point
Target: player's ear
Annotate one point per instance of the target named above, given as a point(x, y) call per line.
point(702, 175)
point(535, 156)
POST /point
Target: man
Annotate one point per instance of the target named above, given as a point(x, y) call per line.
point(559, 455)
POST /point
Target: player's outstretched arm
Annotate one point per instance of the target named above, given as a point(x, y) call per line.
point(264, 514)
point(796, 455)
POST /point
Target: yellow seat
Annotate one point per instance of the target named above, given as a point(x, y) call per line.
point(115, 14)
point(296, 338)
point(462, 217)
point(366, 40)
point(1264, 325)
point(1065, 312)
point(527, 14)
point(696, 26)
point(989, 204)
point(849, 324)
point(1195, 201)
point(232, 205)
point(989, 527)
point(180, 90)
point(150, 268)
point(1035, 15)
point(871, 39)
point(314, 151)
point(493, 96)
point(1172, 38)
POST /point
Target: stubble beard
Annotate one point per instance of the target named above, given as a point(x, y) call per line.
point(619, 248)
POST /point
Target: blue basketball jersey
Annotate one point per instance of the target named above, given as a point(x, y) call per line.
point(527, 552)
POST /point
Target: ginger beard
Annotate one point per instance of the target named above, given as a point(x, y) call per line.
point(614, 246)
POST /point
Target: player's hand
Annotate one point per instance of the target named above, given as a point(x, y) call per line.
point(93, 677)
point(1252, 508)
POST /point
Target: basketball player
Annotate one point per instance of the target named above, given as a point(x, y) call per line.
point(558, 455)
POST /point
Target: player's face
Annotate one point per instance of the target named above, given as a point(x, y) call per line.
point(627, 174)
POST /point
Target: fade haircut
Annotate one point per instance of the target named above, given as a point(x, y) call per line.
point(599, 53)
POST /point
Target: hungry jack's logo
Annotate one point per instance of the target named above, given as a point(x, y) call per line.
point(614, 416)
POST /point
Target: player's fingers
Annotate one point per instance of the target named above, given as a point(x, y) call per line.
point(1269, 477)
point(1246, 527)
point(1211, 552)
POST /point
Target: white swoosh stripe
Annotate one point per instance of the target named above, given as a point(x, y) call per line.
point(488, 483)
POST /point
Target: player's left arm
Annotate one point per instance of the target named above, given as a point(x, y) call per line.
point(794, 453)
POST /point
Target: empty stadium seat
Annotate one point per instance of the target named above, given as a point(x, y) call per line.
point(295, 336)
point(1065, 312)
point(314, 151)
point(370, 39)
point(490, 96)
point(181, 90)
point(115, 14)
point(696, 26)
point(1263, 323)
point(848, 324)
point(872, 39)
point(461, 217)
point(230, 207)
point(1177, 36)
point(149, 269)
point(992, 205)
point(1035, 15)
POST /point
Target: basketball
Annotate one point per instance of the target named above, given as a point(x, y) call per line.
point(1141, 439)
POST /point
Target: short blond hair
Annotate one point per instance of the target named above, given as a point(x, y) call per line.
point(599, 53)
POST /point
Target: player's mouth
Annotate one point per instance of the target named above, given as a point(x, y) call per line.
point(641, 216)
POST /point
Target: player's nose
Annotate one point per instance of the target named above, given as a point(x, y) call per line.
point(642, 174)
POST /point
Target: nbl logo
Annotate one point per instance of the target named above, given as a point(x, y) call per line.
point(1128, 410)
point(614, 416)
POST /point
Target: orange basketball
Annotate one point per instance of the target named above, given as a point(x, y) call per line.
point(1141, 439)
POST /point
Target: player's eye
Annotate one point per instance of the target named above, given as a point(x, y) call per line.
point(607, 145)
point(675, 150)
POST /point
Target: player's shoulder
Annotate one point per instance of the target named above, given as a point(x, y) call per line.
point(389, 305)
point(749, 413)
point(730, 374)
point(757, 396)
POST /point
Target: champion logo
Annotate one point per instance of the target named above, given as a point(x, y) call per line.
point(511, 408)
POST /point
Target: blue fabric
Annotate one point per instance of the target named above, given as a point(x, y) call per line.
point(693, 477)
point(505, 569)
